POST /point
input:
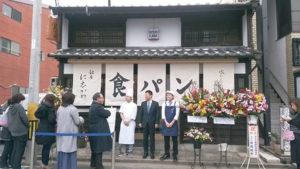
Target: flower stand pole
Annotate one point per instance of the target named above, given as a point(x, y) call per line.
point(197, 146)
point(253, 142)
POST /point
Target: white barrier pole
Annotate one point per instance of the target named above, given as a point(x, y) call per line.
point(113, 151)
point(32, 150)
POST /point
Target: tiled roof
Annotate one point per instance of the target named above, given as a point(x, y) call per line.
point(153, 9)
point(147, 52)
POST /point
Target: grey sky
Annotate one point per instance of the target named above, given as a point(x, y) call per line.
point(127, 2)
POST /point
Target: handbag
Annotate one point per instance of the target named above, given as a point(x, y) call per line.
point(288, 135)
point(3, 119)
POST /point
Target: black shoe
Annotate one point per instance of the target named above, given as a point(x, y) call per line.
point(152, 156)
point(175, 159)
point(145, 156)
point(165, 156)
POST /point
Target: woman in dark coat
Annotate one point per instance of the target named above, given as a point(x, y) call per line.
point(98, 124)
point(8, 143)
point(47, 116)
point(294, 122)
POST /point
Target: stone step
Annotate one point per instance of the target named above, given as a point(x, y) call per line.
point(269, 158)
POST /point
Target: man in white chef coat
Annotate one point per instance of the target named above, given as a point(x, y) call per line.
point(128, 113)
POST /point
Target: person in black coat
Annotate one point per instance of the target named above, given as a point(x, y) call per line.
point(47, 116)
point(8, 143)
point(98, 124)
point(149, 120)
point(294, 122)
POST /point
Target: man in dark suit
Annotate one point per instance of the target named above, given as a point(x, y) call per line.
point(149, 120)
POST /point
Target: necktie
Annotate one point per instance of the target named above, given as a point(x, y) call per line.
point(148, 107)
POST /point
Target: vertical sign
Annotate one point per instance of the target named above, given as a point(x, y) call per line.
point(86, 82)
point(218, 73)
point(253, 141)
point(119, 78)
point(151, 77)
point(181, 78)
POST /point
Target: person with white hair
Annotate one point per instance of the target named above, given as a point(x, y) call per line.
point(170, 114)
point(128, 113)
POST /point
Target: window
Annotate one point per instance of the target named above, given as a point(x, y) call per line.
point(9, 46)
point(211, 35)
point(6, 10)
point(297, 84)
point(284, 18)
point(11, 12)
point(296, 52)
point(16, 15)
point(102, 37)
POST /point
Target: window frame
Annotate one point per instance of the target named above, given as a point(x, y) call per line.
point(15, 14)
point(9, 50)
point(296, 51)
point(296, 75)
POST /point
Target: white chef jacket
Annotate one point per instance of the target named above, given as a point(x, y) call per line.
point(129, 111)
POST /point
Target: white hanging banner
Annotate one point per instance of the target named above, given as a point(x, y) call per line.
point(86, 82)
point(151, 77)
point(181, 78)
point(222, 73)
point(118, 79)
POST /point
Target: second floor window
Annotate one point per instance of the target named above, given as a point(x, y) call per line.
point(11, 12)
point(105, 37)
point(9, 46)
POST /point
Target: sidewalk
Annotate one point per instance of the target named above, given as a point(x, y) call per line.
point(210, 157)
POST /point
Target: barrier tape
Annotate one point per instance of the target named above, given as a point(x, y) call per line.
point(73, 134)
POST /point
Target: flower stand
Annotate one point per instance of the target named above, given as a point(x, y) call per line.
point(223, 128)
point(197, 147)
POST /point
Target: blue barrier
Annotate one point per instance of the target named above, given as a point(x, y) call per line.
point(73, 134)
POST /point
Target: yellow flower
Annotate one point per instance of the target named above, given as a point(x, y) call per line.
point(191, 106)
point(213, 99)
point(203, 112)
point(240, 111)
point(222, 105)
point(231, 99)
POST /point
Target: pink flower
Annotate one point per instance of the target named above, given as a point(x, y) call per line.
point(187, 108)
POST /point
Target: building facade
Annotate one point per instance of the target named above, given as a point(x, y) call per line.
point(15, 46)
point(111, 49)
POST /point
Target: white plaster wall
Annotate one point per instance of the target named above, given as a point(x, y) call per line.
point(277, 48)
point(169, 32)
point(65, 33)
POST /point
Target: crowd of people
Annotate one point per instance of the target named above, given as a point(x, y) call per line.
point(66, 119)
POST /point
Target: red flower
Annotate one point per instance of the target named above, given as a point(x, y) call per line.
point(246, 114)
point(233, 112)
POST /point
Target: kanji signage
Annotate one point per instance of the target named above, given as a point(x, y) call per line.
point(118, 79)
point(153, 34)
point(86, 82)
point(181, 78)
point(151, 77)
